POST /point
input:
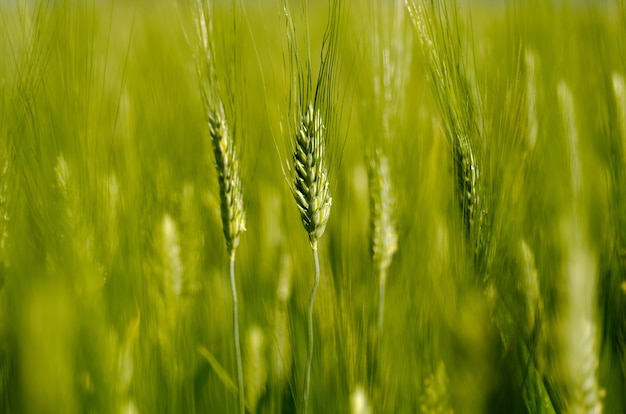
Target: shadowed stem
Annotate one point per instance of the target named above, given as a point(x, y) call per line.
point(307, 380)
point(233, 287)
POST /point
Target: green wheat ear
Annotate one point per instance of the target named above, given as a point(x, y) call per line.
point(383, 235)
point(227, 164)
point(311, 187)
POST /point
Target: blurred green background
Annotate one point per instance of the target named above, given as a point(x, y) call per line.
point(114, 292)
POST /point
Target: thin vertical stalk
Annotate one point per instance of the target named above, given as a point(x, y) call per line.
point(307, 380)
point(381, 300)
point(233, 287)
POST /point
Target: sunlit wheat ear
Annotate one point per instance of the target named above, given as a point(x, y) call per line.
point(310, 186)
point(227, 164)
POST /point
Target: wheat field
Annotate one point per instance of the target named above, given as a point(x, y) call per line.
point(452, 173)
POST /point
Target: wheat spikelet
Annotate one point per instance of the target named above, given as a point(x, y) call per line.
point(310, 187)
point(231, 196)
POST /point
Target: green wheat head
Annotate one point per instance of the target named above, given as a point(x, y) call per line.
point(310, 182)
point(227, 165)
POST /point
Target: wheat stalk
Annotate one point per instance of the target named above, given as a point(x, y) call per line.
point(312, 194)
point(233, 215)
point(226, 160)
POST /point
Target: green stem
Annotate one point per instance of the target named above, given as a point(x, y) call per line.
point(307, 381)
point(233, 287)
point(381, 300)
point(375, 379)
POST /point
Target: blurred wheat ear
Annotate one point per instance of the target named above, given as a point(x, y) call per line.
point(383, 235)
